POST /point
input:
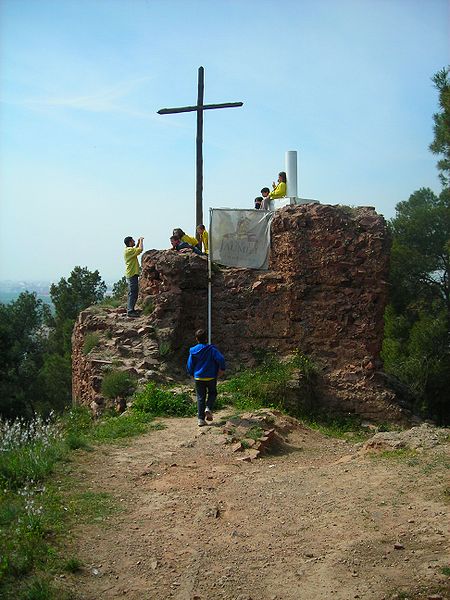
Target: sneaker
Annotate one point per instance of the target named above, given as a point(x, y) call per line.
point(208, 415)
point(201, 422)
point(133, 314)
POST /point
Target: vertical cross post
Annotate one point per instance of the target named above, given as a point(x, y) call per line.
point(199, 149)
point(200, 107)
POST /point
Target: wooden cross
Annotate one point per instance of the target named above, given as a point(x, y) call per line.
point(199, 108)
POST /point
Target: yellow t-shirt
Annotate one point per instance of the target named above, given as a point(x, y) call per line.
point(205, 241)
point(189, 240)
point(131, 261)
point(279, 191)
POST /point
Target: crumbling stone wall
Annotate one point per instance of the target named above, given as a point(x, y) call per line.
point(325, 291)
point(324, 294)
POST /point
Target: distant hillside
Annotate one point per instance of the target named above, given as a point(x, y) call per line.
point(6, 297)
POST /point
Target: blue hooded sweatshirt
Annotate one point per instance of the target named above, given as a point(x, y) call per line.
point(204, 362)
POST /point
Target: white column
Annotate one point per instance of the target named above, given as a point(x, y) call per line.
point(291, 173)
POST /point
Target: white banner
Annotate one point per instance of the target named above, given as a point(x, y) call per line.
point(240, 238)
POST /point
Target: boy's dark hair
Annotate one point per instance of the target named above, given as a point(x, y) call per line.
point(127, 240)
point(201, 336)
point(265, 190)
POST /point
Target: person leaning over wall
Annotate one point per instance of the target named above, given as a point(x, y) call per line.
point(179, 233)
point(183, 247)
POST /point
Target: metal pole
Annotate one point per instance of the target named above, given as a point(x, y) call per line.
point(209, 278)
point(291, 173)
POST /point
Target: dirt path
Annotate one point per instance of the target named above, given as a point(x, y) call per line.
point(317, 522)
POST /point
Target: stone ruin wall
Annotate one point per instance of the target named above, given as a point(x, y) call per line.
point(324, 294)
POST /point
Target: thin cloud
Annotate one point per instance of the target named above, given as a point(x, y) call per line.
point(110, 99)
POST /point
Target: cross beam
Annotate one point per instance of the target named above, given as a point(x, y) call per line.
point(199, 108)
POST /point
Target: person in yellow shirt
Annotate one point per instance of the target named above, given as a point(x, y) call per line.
point(203, 234)
point(132, 272)
point(179, 233)
point(279, 189)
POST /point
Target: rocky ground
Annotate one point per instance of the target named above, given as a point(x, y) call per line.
point(312, 518)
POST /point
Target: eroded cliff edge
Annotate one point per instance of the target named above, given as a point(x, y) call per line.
point(324, 294)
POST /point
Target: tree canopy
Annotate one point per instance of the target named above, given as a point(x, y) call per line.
point(420, 258)
point(441, 142)
point(416, 346)
point(35, 345)
point(22, 347)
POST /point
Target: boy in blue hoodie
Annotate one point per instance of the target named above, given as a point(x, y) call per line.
point(205, 363)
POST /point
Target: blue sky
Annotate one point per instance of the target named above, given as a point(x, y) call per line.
point(86, 160)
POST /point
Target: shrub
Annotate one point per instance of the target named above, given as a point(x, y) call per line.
point(268, 384)
point(91, 340)
point(148, 308)
point(29, 450)
point(72, 565)
point(111, 302)
point(164, 348)
point(118, 384)
point(161, 402)
point(264, 386)
point(309, 369)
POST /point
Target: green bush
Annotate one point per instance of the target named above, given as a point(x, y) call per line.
point(91, 340)
point(148, 308)
point(267, 384)
point(161, 402)
point(308, 368)
point(164, 348)
point(111, 302)
point(264, 386)
point(72, 565)
point(118, 384)
point(29, 451)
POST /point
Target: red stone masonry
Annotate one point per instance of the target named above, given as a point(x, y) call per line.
point(324, 294)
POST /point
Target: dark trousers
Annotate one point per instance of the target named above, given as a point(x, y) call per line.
point(203, 389)
point(133, 291)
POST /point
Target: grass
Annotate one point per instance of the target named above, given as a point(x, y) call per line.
point(90, 507)
point(148, 308)
point(267, 385)
point(91, 340)
point(261, 387)
point(341, 427)
point(164, 348)
point(254, 433)
point(406, 455)
point(35, 511)
point(72, 565)
point(112, 302)
point(123, 426)
point(160, 402)
point(118, 384)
